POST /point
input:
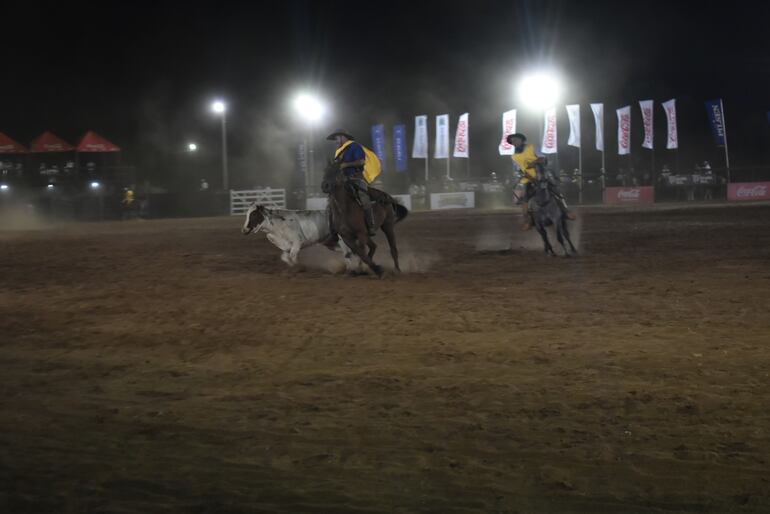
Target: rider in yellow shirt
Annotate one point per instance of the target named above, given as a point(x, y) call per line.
point(529, 163)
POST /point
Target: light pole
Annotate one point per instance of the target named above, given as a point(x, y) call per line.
point(310, 109)
point(220, 108)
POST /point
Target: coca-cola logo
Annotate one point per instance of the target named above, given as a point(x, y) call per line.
point(758, 191)
point(629, 194)
point(550, 132)
point(460, 138)
point(625, 130)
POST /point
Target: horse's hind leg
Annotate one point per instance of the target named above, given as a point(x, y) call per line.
point(566, 236)
point(390, 233)
point(372, 247)
point(560, 237)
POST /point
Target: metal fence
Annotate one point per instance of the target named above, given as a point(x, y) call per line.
point(241, 200)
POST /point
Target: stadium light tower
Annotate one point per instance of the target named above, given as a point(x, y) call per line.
point(539, 90)
point(219, 108)
point(310, 110)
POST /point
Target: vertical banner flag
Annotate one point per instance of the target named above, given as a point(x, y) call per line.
point(598, 110)
point(461, 137)
point(420, 147)
point(378, 143)
point(646, 107)
point(549, 133)
point(509, 127)
point(399, 147)
point(302, 158)
point(717, 119)
point(573, 113)
point(442, 137)
point(672, 141)
point(624, 130)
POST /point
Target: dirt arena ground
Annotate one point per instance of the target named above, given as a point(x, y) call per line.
point(177, 366)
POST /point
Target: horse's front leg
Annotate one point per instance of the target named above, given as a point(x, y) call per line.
point(543, 234)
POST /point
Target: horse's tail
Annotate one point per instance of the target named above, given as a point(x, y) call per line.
point(401, 211)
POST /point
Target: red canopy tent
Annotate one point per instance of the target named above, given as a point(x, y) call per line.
point(93, 142)
point(48, 142)
point(8, 145)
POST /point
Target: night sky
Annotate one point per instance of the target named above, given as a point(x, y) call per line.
point(143, 75)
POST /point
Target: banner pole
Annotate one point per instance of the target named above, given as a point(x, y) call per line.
point(448, 159)
point(580, 172)
point(724, 127)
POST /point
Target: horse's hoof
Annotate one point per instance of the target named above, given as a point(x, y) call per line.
point(379, 271)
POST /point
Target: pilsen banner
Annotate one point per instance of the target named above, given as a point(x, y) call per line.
point(399, 147)
point(442, 137)
point(672, 141)
point(461, 137)
point(716, 115)
point(378, 143)
point(573, 113)
point(624, 130)
point(509, 127)
point(549, 132)
point(646, 107)
point(598, 110)
point(420, 147)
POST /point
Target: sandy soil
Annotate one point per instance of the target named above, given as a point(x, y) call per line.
point(177, 366)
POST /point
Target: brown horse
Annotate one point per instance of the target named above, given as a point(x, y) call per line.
point(348, 217)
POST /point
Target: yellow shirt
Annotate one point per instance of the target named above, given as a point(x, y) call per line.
point(525, 161)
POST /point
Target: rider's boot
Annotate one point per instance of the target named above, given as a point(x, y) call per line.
point(332, 239)
point(563, 204)
point(528, 218)
point(370, 221)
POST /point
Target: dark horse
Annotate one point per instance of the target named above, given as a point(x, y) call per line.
point(348, 221)
point(549, 212)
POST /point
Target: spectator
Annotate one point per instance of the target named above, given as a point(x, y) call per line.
point(204, 186)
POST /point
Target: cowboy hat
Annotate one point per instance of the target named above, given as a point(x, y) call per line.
point(517, 134)
point(339, 132)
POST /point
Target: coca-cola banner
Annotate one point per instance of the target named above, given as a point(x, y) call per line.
point(646, 107)
point(549, 133)
point(509, 127)
point(629, 195)
point(673, 138)
point(461, 137)
point(747, 191)
point(624, 130)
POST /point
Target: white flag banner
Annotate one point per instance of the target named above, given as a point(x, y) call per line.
point(573, 113)
point(646, 107)
point(549, 132)
point(461, 137)
point(420, 147)
point(624, 130)
point(672, 142)
point(442, 137)
point(598, 110)
point(509, 127)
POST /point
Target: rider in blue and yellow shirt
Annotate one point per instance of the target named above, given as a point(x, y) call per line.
point(351, 157)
